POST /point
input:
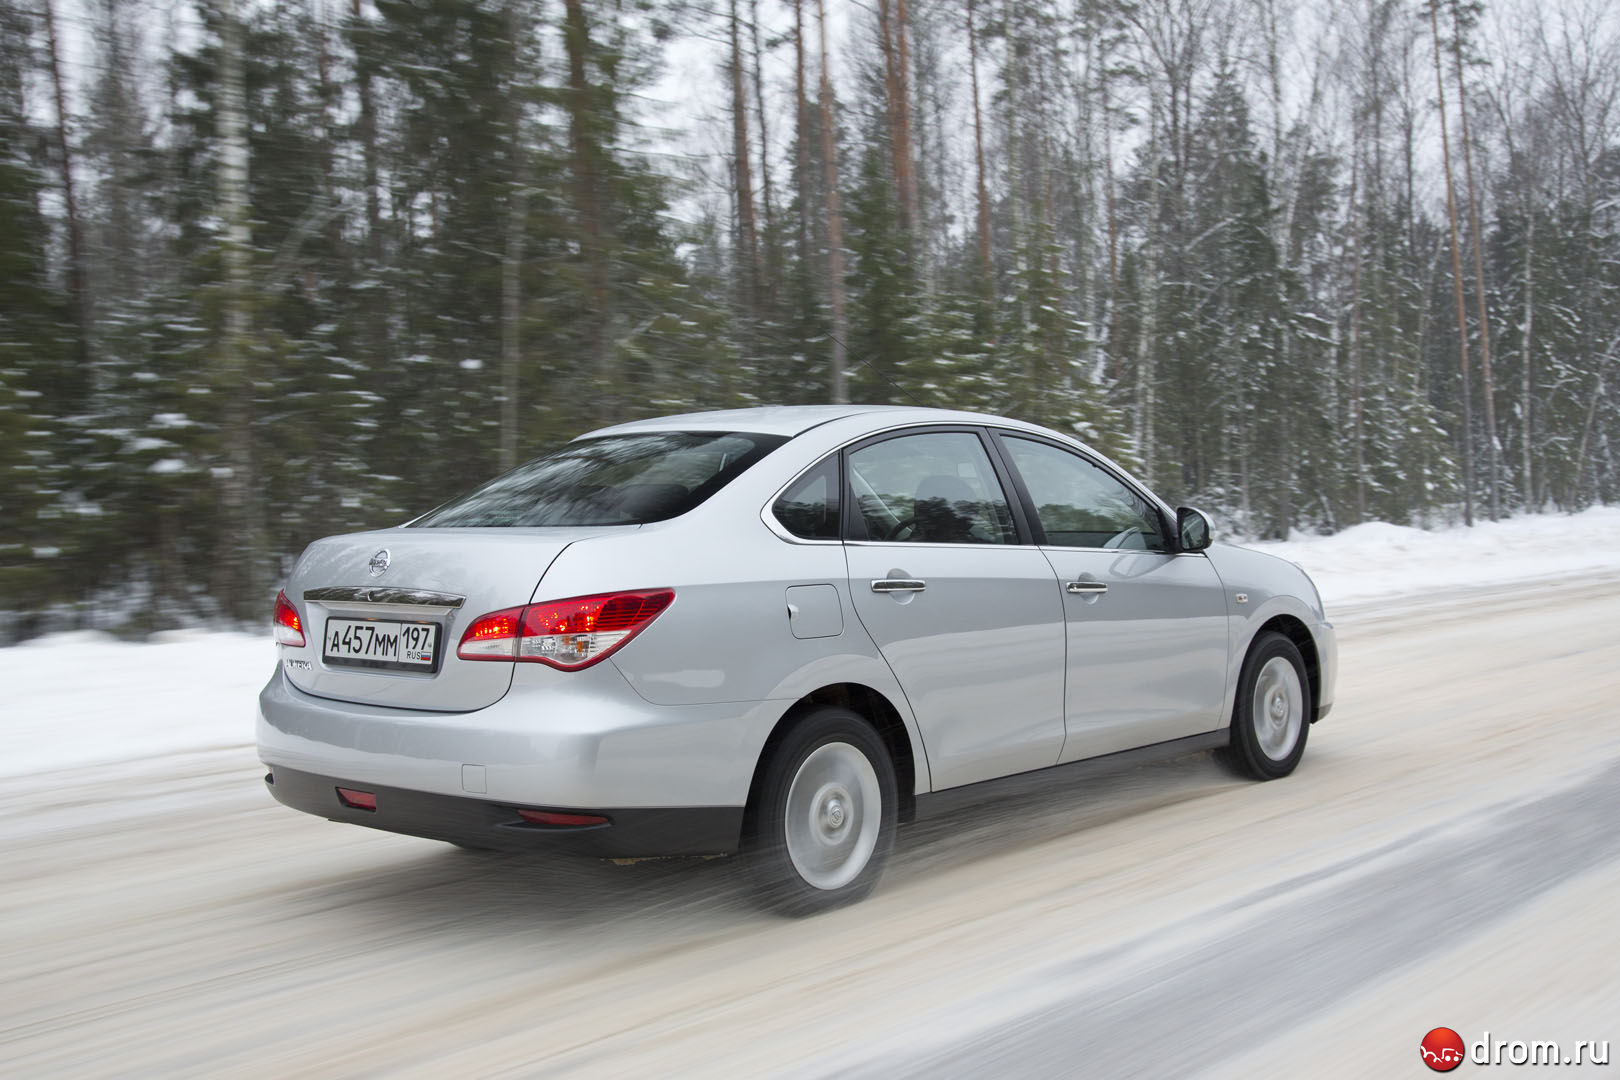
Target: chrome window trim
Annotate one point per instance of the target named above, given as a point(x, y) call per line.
point(907, 545)
point(1122, 551)
point(776, 527)
point(1068, 442)
point(382, 595)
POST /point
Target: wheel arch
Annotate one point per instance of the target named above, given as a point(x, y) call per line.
point(1295, 630)
point(872, 706)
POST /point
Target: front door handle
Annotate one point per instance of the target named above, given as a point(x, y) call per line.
point(889, 584)
point(1087, 587)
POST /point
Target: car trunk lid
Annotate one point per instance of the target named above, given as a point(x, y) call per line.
point(383, 611)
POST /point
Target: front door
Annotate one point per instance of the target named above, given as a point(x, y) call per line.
point(1147, 631)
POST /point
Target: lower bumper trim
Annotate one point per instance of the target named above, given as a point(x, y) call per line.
point(478, 823)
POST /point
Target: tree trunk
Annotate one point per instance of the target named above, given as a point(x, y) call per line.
point(801, 134)
point(118, 273)
point(1456, 278)
point(1586, 440)
point(1144, 405)
point(772, 267)
point(511, 324)
point(893, 100)
point(910, 208)
point(368, 145)
point(1356, 390)
point(584, 151)
point(1492, 447)
point(1110, 207)
point(835, 220)
point(1084, 257)
point(978, 153)
point(512, 262)
point(239, 579)
point(742, 171)
point(1527, 383)
point(78, 293)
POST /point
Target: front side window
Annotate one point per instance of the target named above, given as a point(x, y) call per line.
point(809, 508)
point(616, 480)
point(930, 488)
point(1080, 504)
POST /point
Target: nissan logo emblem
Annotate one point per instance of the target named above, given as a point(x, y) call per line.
point(379, 562)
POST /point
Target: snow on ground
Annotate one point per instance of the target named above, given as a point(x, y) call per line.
point(1378, 560)
point(88, 698)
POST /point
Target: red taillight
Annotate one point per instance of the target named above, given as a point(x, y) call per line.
point(568, 634)
point(288, 626)
point(358, 800)
point(492, 637)
point(551, 817)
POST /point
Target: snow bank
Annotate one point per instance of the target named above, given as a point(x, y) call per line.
point(1379, 560)
point(87, 698)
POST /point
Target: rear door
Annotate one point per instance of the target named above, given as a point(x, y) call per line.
point(966, 612)
point(1146, 626)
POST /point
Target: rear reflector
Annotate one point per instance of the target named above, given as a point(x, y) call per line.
point(551, 817)
point(567, 634)
point(289, 627)
point(357, 800)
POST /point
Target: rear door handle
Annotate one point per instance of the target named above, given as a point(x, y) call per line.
point(889, 584)
point(1086, 587)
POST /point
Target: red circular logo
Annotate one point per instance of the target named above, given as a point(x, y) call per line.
point(1442, 1049)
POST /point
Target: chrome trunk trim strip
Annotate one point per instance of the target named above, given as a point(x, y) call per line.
point(377, 594)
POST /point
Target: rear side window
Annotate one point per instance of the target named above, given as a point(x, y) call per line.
point(930, 488)
point(617, 480)
point(809, 508)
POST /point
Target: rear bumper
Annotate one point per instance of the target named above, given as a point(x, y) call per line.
point(474, 822)
point(590, 743)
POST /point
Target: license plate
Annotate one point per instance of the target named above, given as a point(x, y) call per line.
point(380, 643)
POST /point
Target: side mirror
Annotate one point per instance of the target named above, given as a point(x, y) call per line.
point(1192, 529)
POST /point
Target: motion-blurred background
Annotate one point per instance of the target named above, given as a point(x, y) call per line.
point(277, 269)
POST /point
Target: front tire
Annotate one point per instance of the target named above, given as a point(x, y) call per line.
point(1271, 719)
point(826, 814)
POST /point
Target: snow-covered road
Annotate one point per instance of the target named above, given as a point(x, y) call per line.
point(1444, 856)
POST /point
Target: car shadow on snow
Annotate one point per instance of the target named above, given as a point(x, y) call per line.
point(436, 886)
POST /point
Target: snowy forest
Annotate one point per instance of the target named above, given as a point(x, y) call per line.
point(274, 269)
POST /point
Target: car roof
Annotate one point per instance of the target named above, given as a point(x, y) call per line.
point(793, 420)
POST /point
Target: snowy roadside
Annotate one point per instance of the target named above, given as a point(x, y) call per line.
point(87, 698)
point(1378, 560)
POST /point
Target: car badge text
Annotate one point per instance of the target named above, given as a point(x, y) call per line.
point(379, 562)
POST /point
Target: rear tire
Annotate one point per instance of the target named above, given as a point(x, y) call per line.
point(826, 814)
point(1271, 719)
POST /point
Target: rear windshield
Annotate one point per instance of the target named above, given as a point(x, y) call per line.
point(618, 480)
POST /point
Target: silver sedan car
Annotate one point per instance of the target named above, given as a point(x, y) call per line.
point(779, 632)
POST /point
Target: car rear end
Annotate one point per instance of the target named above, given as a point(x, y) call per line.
point(429, 682)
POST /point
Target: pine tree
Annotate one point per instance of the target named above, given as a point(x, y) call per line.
point(36, 341)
